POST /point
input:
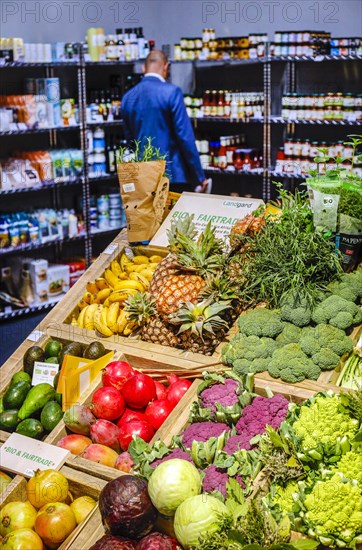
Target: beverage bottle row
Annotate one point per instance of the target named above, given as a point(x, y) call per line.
point(228, 153)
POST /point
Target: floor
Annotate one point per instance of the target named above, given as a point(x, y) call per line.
point(14, 332)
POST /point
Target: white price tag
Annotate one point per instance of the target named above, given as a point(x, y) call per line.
point(24, 455)
point(44, 373)
point(129, 187)
point(110, 249)
point(35, 335)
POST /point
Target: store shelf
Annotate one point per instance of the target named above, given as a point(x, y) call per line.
point(107, 123)
point(288, 175)
point(316, 59)
point(217, 171)
point(51, 184)
point(4, 316)
point(219, 120)
point(103, 179)
point(280, 120)
point(112, 63)
point(222, 62)
point(23, 65)
point(38, 130)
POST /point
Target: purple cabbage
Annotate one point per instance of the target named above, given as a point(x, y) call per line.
point(202, 431)
point(224, 394)
point(237, 442)
point(262, 411)
point(216, 479)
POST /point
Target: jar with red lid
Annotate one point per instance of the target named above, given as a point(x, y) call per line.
point(238, 160)
point(289, 147)
point(279, 164)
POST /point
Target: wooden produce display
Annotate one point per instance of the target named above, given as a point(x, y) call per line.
point(80, 484)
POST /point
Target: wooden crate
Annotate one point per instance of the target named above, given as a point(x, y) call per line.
point(80, 484)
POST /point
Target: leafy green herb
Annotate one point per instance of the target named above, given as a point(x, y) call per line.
point(140, 153)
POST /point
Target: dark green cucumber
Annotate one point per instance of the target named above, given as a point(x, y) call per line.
point(31, 428)
point(16, 395)
point(9, 420)
point(37, 397)
point(51, 415)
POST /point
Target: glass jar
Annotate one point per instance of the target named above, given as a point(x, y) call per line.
point(329, 113)
point(313, 152)
point(277, 50)
point(284, 50)
point(277, 36)
point(289, 147)
point(198, 43)
point(205, 35)
point(177, 52)
point(279, 164)
point(348, 100)
point(293, 49)
point(297, 148)
point(183, 43)
point(305, 148)
point(191, 43)
point(339, 149)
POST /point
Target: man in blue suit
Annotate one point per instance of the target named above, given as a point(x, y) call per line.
point(155, 108)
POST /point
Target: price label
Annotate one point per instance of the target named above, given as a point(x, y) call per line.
point(44, 373)
point(110, 249)
point(24, 455)
point(35, 335)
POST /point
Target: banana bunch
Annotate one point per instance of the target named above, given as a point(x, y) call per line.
point(101, 306)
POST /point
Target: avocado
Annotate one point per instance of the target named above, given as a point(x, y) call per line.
point(35, 353)
point(21, 376)
point(9, 420)
point(15, 395)
point(51, 415)
point(72, 348)
point(31, 428)
point(52, 360)
point(37, 397)
point(52, 348)
point(95, 350)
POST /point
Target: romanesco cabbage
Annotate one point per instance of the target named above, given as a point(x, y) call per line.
point(334, 511)
point(350, 466)
point(284, 496)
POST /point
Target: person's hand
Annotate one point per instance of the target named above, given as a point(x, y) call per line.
point(202, 188)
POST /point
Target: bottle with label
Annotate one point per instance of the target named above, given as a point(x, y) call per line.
point(99, 140)
point(213, 104)
point(141, 43)
point(111, 48)
point(127, 48)
point(103, 109)
point(220, 104)
point(227, 105)
point(222, 158)
point(120, 46)
point(205, 108)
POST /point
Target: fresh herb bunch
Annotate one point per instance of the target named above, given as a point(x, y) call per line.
point(140, 153)
point(288, 256)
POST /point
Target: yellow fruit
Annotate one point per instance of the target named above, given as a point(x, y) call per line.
point(87, 297)
point(91, 287)
point(103, 295)
point(129, 328)
point(99, 324)
point(110, 278)
point(124, 261)
point(94, 298)
point(140, 260)
point(101, 283)
point(116, 268)
point(81, 317)
point(81, 507)
point(141, 267)
point(147, 273)
point(122, 321)
point(88, 322)
point(155, 259)
point(138, 277)
point(106, 302)
point(130, 267)
point(112, 316)
point(74, 321)
point(82, 303)
point(152, 265)
point(47, 486)
point(121, 295)
point(129, 284)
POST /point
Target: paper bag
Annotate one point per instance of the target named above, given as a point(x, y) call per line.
point(144, 190)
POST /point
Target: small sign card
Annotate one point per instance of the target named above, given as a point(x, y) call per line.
point(24, 455)
point(35, 335)
point(44, 372)
point(222, 211)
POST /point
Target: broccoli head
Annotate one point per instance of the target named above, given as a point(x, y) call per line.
point(295, 309)
point(326, 359)
point(338, 312)
point(260, 322)
point(248, 354)
point(290, 335)
point(243, 366)
point(344, 290)
point(325, 336)
point(292, 365)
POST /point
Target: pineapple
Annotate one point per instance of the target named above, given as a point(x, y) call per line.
point(220, 289)
point(197, 261)
point(202, 328)
point(250, 225)
point(169, 265)
point(142, 308)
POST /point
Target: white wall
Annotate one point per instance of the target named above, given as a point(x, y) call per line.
point(167, 20)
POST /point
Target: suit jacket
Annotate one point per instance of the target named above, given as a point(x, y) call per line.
point(156, 109)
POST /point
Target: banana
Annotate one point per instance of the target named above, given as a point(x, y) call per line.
point(110, 277)
point(129, 284)
point(93, 299)
point(124, 261)
point(155, 259)
point(129, 328)
point(106, 302)
point(121, 295)
point(122, 321)
point(116, 268)
point(130, 267)
point(152, 265)
point(101, 283)
point(147, 273)
point(140, 260)
point(74, 321)
point(88, 322)
point(99, 324)
point(91, 287)
point(87, 297)
point(112, 317)
point(81, 317)
point(82, 304)
point(138, 277)
point(103, 295)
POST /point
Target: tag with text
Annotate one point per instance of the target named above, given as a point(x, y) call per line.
point(44, 373)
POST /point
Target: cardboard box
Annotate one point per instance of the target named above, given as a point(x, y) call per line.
point(58, 280)
point(39, 280)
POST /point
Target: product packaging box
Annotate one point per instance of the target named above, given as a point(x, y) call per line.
point(39, 280)
point(58, 280)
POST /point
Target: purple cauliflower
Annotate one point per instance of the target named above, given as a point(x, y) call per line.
point(225, 394)
point(216, 479)
point(236, 443)
point(202, 431)
point(175, 453)
point(262, 411)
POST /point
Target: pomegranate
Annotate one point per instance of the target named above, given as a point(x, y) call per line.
point(177, 388)
point(142, 428)
point(106, 433)
point(22, 539)
point(116, 374)
point(139, 390)
point(47, 486)
point(161, 390)
point(157, 412)
point(78, 419)
point(129, 415)
point(100, 453)
point(54, 523)
point(16, 515)
point(107, 403)
point(75, 443)
point(124, 462)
